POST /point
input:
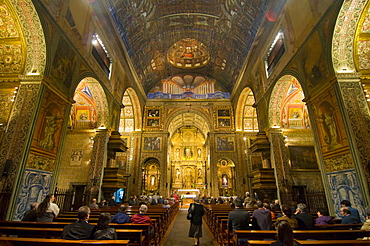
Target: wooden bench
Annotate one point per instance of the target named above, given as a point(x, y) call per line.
point(135, 237)
point(317, 243)
point(19, 241)
point(302, 235)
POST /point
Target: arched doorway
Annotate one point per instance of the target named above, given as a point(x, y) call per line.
point(293, 147)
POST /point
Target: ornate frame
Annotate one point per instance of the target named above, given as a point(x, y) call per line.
point(224, 118)
point(153, 118)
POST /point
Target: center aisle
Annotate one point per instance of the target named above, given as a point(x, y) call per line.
point(178, 235)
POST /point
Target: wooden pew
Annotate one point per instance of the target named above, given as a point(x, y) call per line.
point(42, 225)
point(317, 243)
point(18, 241)
point(135, 237)
point(302, 235)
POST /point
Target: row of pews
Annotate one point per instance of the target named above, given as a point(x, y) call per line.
point(49, 233)
point(216, 217)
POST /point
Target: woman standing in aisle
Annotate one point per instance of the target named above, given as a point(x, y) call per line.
point(197, 211)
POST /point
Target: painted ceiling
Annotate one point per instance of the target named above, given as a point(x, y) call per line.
point(175, 37)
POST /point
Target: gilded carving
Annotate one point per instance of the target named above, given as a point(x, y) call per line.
point(337, 163)
point(359, 119)
point(40, 163)
point(8, 27)
point(33, 36)
point(10, 58)
point(19, 126)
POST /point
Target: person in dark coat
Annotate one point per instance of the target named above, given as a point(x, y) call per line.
point(262, 217)
point(238, 219)
point(103, 231)
point(285, 236)
point(112, 202)
point(31, 215)
point(195, 230)
point(348, 218)
point(80, 229)
point(121, 217)
point(305, 220)
point(354, 211)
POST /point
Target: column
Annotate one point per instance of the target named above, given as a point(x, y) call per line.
point(18, 137)
point(98, 162)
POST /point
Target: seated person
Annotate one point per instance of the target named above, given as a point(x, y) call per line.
point(354, 211)
point(323, 217)
point(103, 231)
point(141, 218)
point(80, 229)
point(239, 218)
point(261, 217)
point(166, 204)
point(47, 210)
point(347, 217)
point(305, 220)
point(366, 225)
point(287, 216)
point(31, 215)
point(284, 235)
point(121, 217)
point(93, 204)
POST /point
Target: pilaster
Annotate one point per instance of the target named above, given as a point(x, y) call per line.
point(18, 137)
point(356, 115)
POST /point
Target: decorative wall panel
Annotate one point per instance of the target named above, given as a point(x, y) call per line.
point(35, 186)
point(344, 186)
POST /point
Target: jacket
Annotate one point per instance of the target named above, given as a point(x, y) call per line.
point(198, 212)
point(263, 218)
point(238, 219)
point(106, 234)
point(121, 218)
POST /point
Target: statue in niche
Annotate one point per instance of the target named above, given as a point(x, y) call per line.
point(178, 173)
point(199, 172)
point(331, 129)
point(177, 153)
point(199, 152)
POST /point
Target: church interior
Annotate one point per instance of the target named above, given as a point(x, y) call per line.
point(216, 97)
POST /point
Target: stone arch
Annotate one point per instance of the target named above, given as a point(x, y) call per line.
point(178, 118)
point(131, 103)
point(286, 109)
point(344, 36)
point(245, 114)
point(34, 39)
point(91, 106)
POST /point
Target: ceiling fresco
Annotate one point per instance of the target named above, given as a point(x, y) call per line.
point(176, 37)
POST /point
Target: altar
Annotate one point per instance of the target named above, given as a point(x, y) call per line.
point(187, 195)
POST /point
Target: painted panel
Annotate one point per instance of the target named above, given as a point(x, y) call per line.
point(344, 186)
point(35, 186)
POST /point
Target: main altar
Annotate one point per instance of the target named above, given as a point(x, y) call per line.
point(188, 195)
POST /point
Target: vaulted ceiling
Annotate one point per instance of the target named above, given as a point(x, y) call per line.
point(200, 37)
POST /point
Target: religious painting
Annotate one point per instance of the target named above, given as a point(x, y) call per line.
point(83, 114)
point(223, 122)
point(188, 153)
point(303, 157)
point(153, 118)
point(223, 112)
point(225, 144)
point(224, 118)
point(76, 157)
point(225, 181)
point(152, 143)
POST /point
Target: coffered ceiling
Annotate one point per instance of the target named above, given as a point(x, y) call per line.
point(175, 37)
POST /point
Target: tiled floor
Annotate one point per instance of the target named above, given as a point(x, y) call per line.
point(178, 235)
